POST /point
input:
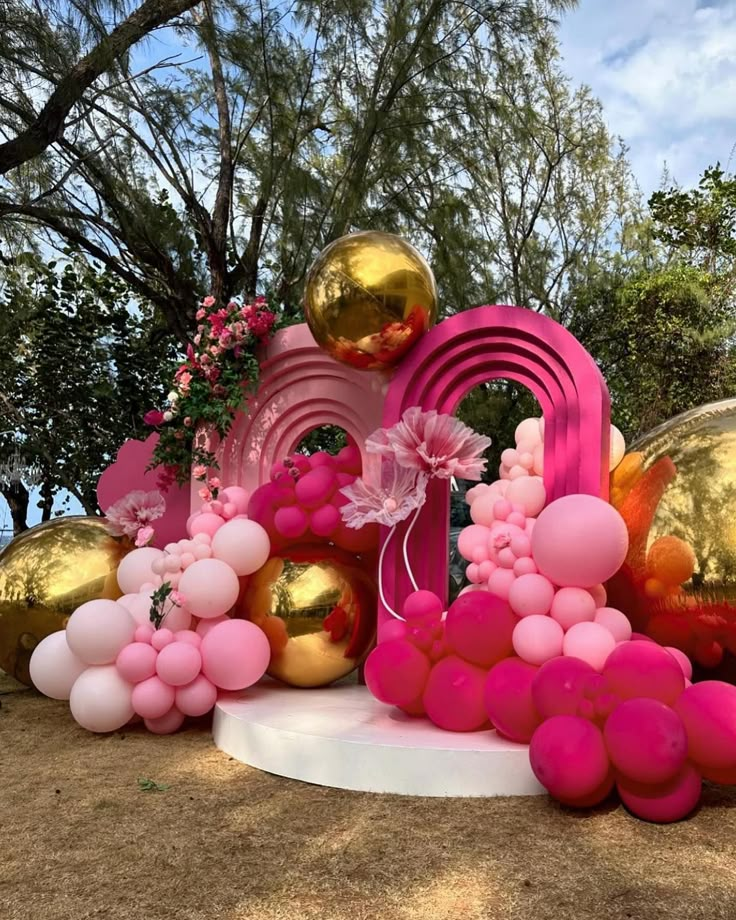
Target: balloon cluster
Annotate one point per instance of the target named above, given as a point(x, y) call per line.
point(229, 504)
point(301, 502)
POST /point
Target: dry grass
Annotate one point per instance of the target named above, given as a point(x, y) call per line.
point(225, 842)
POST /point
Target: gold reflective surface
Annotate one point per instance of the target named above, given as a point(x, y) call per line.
point(319, 612)
point(369, 297)
point(45, 574)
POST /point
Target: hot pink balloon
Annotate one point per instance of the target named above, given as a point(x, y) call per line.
point(682, 659)
point(479, 628)
point(196, 698)
point(508, 699)
point(571, 606)
point(646, 741)
point(54, 667)
point(152, 698)
point(531, 595)
point(178, 664)
point(210, 587)
point(323, 521)
point(453, 697)
point(166, 724)
point(235, 654)
point(292, 522)
point(135, 570)
point(392, 629)
point(537, 639)
point(590, 642)
point(316, 487)
point(559, 686)
point(423, 605)
point(243, 544)
point(136, 662)
point(396, 672)
point(644, 669)
point(98, 630)
point(568, 757)
point(708, 711)
point(100, 699)
point(663, 803)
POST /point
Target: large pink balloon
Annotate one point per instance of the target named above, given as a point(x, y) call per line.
point(568, 757)
point(579, 541)
point(100, 699)
point(98, 630)
point(235, 654)
point(559, 686)
point(479, 627)
point(708, 711)
point(646, 741)
point(643, 669)
point(135, 569)
point(244, 545)
point(508, 699)
point(54, 667)
point(197, 698)
point(453, 697)
point(396, 672)
point(210, 588)
point(663, 803)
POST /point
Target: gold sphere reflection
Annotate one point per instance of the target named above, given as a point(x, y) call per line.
point(45, 574)
point(318, 609)
point(677, 494)
point(369, 297)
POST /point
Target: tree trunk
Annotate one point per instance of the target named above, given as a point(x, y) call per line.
point(47, 500)
point(16, 495)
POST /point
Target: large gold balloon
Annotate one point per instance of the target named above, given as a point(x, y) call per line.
point(45, 574)
point(318, 609)
point(369, 297)
point(677, 492)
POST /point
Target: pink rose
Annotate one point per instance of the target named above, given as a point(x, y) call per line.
point(209, 301)
point(205, 494)
point(199, 471)
point(154, 418)
point(144, 536)
point(213, 482)
point(177, 598)
point(200, 314)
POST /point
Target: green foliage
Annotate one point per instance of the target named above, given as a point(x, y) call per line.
point(149, 785)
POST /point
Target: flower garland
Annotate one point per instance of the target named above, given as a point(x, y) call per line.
point(209, 387)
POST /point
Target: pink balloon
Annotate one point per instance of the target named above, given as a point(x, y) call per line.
point(599, 595)
point(560, 685)
point(508, 699)
point(238, 496)
point(481, 511)
point(235, 654)
point(571, 606)
point(708, 711)
point(100, 699)
point(568, 757)
point(323, 521)
point(197, 698)
point(210, 587)
point(453, 697)
point(135, 570)
point(663, 803)
point(152, 698)
point(500, 582)
point(292, 522)
point(646, 741)
point(176, 618)
point(470, 538)
point(423, 605)
point(136, 662)
point(396, 672)
point(525, 566)
point(392, 629)
point(178, 664)
point(644, 669)
point(537, 639)
point(243, 544)
point(189, 636)
point(316, 487)
point(206, 523)
point(528, 431)
point(138, 605)
point(616, 623)
point(531, 595)
point(529, 492)
point(204, 626)
point(98, 630)
point(682, 659)
point(54, 667)
point(161, 638)
point(479, 628)
point(590, 642)
point(166, 724)
point(144, 633)
point(579, 541)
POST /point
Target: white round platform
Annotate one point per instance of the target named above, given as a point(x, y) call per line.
point(342, 737)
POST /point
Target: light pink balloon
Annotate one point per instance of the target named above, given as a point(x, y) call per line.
point(471, 538)
point(136, 662)
point(238, 496)
point(210, 587)
point(235, 654)
point(54, 667)
point(144, 633)
point(500, 582)
point(176, 618)
point(476, 492)
point(517, 472)
point(166, 724)
point(97, 631)
point(178, 664)
point(244, 545)
point(537, 639)
point(152, 698)
point(481, 511)
point(138, 605)
point(100, 699)
point(161, 638)
point(207, 523)
point(190, 636)
point(197, 698)
point(571, 606)
point(525, 566)
point(529, 492)
point(590, 642)
point(615, 622)
point(538, 454)
point(204, 626)
point(135, 569)
point(509, 457)
point(531, 595)
point(599, 595)
point(472, 573)
point(528, 430)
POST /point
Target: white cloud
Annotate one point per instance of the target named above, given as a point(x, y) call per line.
point(665, 71)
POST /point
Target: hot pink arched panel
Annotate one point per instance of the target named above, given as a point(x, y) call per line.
point(471, 348)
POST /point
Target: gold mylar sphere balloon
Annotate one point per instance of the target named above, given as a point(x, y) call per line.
point(318, 609)
point(369, 298)
point(676, 490)
point(45, 574)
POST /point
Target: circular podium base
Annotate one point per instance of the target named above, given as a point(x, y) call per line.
point(342, 737)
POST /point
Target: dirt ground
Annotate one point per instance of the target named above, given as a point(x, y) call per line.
point(80, 838)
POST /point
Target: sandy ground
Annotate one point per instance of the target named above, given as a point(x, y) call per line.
point(79, 838)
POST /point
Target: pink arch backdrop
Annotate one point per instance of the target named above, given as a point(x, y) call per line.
point(471, 348)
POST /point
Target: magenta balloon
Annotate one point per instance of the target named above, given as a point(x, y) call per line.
point(316, 487)
point(321, 458)
point(579, 541)
point(568, 757)
point(137, 662)
point(423, 605)
point(682, 659)
point(292, 522)
point(324, 520)
point(392, 629)
point(396, 672)
point(178, 664)
point(646, 741)
point(666, 802)
point(559, 686)
point(235, 654)
point(197, 698)
point(166, 724)
point(479, 627)
point(508, 699)
point(708, 711)
point(645, 669)
point(152, 698)
point(453, 697)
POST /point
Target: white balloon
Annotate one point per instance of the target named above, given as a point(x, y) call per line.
point(135, 569)
point(54, 667)
point(243, 544)
point(618, 448)
point(98, 630)
point(100, 700)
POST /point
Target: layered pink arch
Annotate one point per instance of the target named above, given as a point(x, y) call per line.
point(484, 344)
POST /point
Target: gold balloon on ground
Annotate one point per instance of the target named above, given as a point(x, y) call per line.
point(369, 298)
point(318, 610)
point(45, 574)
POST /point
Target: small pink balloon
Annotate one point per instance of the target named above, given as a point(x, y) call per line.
point(665, 802)
point(422, 605)
point(453, 696)
point(201, 551)
point(559, 686)
point(396, 672)
point(682, 659)
point(187, 559)
point(470, 538)
point(291, 522)
point(136, 662)
point(644, 669)
point(568, 757)
point(527, 460)
point(152, 698)
point(316, 487)
point(508, 699)
point(538, 454)
point(166, 724)
point(708, 711)
point(590, 642)
point(571, 606)
point(190, 636)
point(235, 654)
point(531, 595)
point(481, 511)
point(472, 573)
point(525, 566)
point(177, 618)
point(485, 570)
point(506, 558)
point(500, 582)
point(479, 628)
point(527, 491)
point(521, 545)
point(204, 626)
point(161, 638)
point(210, 587)
point(502, 509)
point(202, 539)
point(537, 639)
point(135, 569)
point(100, 700)
point(238, 496)
point(144, 634)
point(392, 629)
point(480, 554)
point(599, 595)
point(509, 457)
point(197, 698)
point(54, 667)
point(646, 741)
point(178, 664)
point(207, 524)
point(517, 472)
point(98, 630)
point(528, 431)
point(615, 621)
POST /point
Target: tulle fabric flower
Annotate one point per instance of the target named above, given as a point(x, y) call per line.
point(401, 491)
point(135, 512)
point(432, 443)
